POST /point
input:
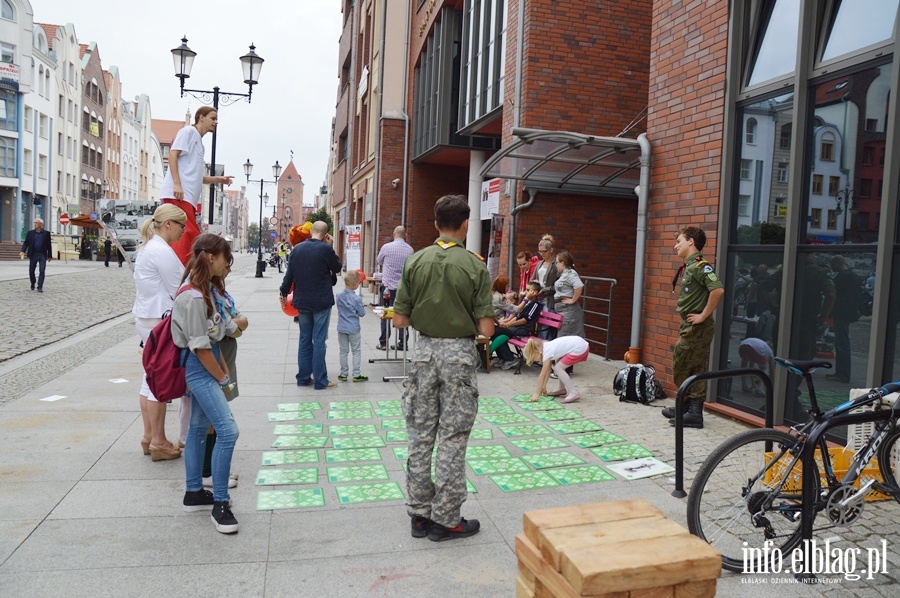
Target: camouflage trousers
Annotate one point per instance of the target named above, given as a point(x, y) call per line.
point(691, 355)
point(439, 403)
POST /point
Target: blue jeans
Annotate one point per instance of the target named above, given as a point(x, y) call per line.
point(208, 407)
point(311, 351)
point(41, 262)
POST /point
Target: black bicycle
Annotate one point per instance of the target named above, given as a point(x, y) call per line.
point(749, 496)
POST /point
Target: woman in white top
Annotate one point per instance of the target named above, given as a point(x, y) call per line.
point(157, 276)
point(565, 351)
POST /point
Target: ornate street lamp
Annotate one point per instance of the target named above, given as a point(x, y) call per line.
point(251, 65)
point(276, 172)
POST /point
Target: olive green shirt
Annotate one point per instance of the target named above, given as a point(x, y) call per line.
point(444, 291)
point(697, 280)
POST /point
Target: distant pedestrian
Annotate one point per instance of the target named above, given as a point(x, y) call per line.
point(37, 248)
point(107, 250)
point(445, 294)
point(845, 312)
point(183, 183)
point(391, 258)
point(350, 309)
point(120, 256)
point(312, 272)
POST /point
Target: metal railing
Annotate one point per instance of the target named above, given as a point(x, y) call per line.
point(601, 307)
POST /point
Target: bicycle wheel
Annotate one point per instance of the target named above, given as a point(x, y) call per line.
point(744, 496)
point(889, 458)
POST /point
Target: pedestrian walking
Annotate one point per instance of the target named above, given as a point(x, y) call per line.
point(391, 258)
point(37, 248)
point(350, 309)
point(445, 294)
point(107, 250)
point(186, 175)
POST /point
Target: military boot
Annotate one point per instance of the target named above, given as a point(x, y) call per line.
point(693, 417)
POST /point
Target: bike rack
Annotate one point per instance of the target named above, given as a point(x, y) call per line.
point(679, 413)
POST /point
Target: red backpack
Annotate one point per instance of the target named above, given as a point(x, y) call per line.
point(162, 360)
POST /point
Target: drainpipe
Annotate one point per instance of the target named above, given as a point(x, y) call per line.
point(517, 117)
point(376, 199)
point(633, 355)
point(405, 119)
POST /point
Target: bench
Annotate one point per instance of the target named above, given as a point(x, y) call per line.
point(546, 318)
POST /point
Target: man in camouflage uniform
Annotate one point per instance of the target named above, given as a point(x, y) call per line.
point(699, 295)
point(445, 294)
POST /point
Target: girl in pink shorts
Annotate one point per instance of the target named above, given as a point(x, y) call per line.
point(565, 351)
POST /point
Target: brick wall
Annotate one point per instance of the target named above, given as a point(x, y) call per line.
point(390, 198)
point(428, 182)
point(687, 90)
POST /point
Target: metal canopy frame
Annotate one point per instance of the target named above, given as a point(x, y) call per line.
point(565, 162)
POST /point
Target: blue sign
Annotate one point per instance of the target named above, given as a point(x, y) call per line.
point(93, 215)
point(273, 234)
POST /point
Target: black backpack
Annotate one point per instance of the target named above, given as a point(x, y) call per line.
point(636, 383)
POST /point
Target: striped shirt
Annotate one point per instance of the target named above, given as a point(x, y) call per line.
point(391, 259)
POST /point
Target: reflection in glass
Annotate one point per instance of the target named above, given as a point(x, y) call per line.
point(858, 25)
point(846, 170)
point(776, 42)
point(763, 166)
point(892, 334)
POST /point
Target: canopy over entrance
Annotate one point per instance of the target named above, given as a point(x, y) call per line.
point(563, 162)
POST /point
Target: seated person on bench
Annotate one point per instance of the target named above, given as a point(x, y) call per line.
point(522, 323)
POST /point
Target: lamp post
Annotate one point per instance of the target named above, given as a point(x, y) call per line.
point(251, 64)
point(844, 199)
point(276, 172)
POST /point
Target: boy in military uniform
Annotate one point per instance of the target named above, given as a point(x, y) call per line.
point(699, 294)
point(445, 294)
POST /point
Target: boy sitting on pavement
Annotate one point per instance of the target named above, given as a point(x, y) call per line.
point(350, 309)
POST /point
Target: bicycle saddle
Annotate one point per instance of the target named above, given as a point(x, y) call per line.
point(803, 366)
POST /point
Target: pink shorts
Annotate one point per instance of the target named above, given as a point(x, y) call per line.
point(570, 359)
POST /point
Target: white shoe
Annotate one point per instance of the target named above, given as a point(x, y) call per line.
point(232, 481)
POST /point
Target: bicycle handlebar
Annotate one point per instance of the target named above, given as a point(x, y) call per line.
point(890, 387)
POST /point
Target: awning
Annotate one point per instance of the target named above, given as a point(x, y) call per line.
point(85, 221)
point(563, 162)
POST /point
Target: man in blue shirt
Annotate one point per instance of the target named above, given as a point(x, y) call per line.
point(37, 248)
point(312, 272)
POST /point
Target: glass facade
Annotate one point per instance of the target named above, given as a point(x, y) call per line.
point(481, 83)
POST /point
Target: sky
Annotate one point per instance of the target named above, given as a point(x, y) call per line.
point(292, 106)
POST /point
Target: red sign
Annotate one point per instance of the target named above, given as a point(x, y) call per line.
point(64, 219)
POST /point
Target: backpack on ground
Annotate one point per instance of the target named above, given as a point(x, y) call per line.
point(162, 361)
point(636, 383)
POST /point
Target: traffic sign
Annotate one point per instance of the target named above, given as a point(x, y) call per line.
point(93, 215)
point(273, 220)
point(273, 234)
point(64, 219)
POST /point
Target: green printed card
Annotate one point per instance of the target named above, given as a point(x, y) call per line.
point(305, 406)
point(558, 459)
point(300, 442)
point(392, 404)
point(357, 442)
point(556, 416)
point(388, 412)
point(541, 406)
point(400, 452)
point(527, 398)
point(487, 452)
point(516, 431)
point(275, 477)
point(289, 457)
point(618, 452)
point(481, 434)
point(290, 499)
point(578, 427)
point(393, 424)
point(352, 430)
point(350, 414)
point(507, 418)
point(352, 455)
point(369, 493)
point(541, 443)
point(489, 466)
point(357, 473)
point(532, 480)
point(345, 405)
point(595, 439)
point(298, 429)
point(490, 409)
point(286, 416)
point(585, 474)
point(397, 436)
point(491, 401)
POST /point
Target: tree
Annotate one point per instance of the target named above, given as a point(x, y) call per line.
point(323, 215)
point(253, 236)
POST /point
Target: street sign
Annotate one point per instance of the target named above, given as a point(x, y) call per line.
point(93, 215)
point(64, 219)
point(273, 220)
point(273, 234)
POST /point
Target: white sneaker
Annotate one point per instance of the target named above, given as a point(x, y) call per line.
point(232, 481)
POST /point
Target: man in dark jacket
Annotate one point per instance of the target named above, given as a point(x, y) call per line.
point(37, 248)
point(312, 272)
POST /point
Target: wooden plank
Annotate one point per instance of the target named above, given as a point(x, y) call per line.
point(522, 589)
point(640, 564)
point(696, 589)
point(660, 592)
point(526, 575)
point(550, 578)
point(554, 542)
point(583, 514)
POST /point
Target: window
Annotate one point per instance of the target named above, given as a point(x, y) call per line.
point(43, 126)
point(29, 119)
point(7, 53)
point(743, 205)
point(816, 218)
point(826, 151)
point(776, 41)
point(868, 154)
point(60, 148)
point(8, 111)
point(86, 121)
point(865, 187)
point(817, 184)
point(7, 157)
point(42, 166)
point(7, 11)
point(783, 169)
point(871, 124)
point(62, 107)
point(746, 165)
point(784, 141)
point(853, 29)
point(751, 131)
point(84, 154)
point(832, 220)
point(27, 157)
point(834, 184)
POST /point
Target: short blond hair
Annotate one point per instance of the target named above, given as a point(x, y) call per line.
point(351, 277)
point(533, 351)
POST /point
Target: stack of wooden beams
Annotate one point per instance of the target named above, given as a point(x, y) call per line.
point(622, 549)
